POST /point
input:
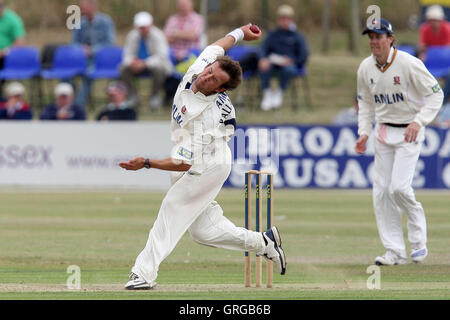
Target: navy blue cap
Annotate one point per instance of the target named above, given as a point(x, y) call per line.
point(384, 27)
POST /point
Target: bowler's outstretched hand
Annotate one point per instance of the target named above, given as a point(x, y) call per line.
point(133, 164)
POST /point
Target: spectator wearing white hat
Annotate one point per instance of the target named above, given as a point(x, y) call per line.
point(435, 31)
point(119, 107)
point(146, 52)
point(15, 107)
point(64, 107)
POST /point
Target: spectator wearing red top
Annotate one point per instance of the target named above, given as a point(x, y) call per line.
point(435, 31)
point(15, 108)
point(184, 29)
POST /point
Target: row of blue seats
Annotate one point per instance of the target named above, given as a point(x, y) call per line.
point(70, 61)
point(437, 59)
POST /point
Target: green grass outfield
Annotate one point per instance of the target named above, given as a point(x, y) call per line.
point(329, 237)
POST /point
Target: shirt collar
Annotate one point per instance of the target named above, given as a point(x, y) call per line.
point(390, 59)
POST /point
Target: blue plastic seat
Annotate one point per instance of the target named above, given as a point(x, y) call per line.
point(69, 61)
point(438, 61)
point(106, 63)
point(21, 63)
point(408, 49)
point(238, 52)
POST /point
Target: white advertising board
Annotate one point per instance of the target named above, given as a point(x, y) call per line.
point(81, 154)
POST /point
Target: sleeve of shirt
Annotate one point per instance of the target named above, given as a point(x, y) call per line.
point(366, 114)
point(110, 35)
point(160, 52)
point(422, 39)
point(228, 116)
point(265, 48)
point(428, 87)
point(198, 25)
point(188, 144)
point(19, 29)
point(302, 51)
point(208, 55)
point(79, 114)
point(129, 49)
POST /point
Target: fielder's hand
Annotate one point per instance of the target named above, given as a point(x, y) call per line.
point(360, 145)
point(250, 32)
point(133, 164)
point(411, 132)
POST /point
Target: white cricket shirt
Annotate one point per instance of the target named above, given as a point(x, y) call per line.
point(400, 92)
point(201, 125)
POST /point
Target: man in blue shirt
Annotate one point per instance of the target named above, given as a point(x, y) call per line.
point(284, 51)
point(146, 52)
point(96, 32)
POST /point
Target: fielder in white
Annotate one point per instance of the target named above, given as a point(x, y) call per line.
point(396, 90)
point(203, 120)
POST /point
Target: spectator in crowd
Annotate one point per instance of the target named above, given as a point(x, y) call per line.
point(348, 116)
point(15, 107)
point(184, 32)
point(434, 32)
point(283, 52)
point(119, 107)
point(64, 107)
point(97, 31)
point(146, 51)
point(184, 29)
point(12, 33)
point(425, 4)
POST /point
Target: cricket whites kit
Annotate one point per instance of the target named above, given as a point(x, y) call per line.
point(394, 95)
point(200, 128)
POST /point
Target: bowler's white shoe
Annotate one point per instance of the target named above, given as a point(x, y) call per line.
point(390, 258)
point(138, 283)
point(273, 250)
point(419, 254)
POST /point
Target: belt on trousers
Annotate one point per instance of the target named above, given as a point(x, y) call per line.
point(397, 125)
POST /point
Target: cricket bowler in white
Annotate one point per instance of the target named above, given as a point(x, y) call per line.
point(397, 92)
point(203, 120)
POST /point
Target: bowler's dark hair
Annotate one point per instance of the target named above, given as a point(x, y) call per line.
point(233, 69)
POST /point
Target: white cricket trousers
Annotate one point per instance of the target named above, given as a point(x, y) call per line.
point(189, 204)
point(395, 163)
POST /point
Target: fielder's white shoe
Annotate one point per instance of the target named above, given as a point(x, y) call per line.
point(419, 254)
point(390, 258)
point(138, 283)
point(273, 250)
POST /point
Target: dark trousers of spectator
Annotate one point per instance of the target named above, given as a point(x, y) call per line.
point(170, 87)
point(2, 82)
point(158, 76)
point(284, 75)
